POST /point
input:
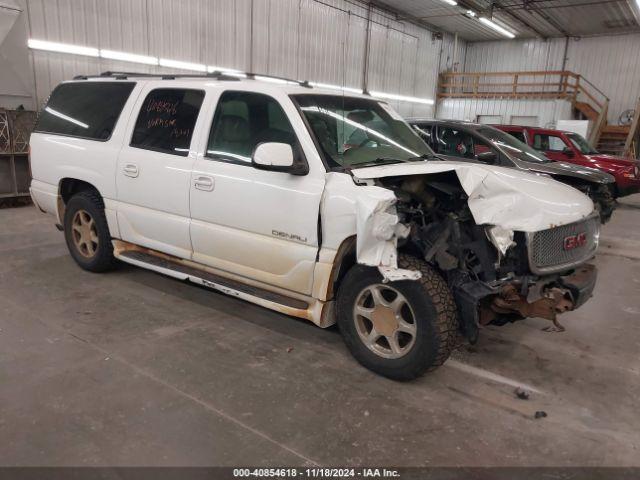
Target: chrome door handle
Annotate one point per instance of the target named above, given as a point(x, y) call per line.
point(130, 170)
point(204, 183)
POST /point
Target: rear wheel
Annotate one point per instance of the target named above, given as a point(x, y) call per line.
point(87, 233)
point(397, 329)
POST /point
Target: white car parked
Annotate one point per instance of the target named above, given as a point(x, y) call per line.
point(316, 204)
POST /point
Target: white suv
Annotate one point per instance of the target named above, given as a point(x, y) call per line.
point(317, 204)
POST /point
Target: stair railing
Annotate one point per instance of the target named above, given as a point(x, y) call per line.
point(543, 84)
point(633, 133)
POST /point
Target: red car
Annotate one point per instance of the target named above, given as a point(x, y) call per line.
point(573, 148)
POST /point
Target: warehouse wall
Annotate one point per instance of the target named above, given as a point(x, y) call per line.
point(323, 41)
point(542, 113)
point(611, 63)
point(16, 78)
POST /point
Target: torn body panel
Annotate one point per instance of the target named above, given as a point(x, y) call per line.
point(369, 213)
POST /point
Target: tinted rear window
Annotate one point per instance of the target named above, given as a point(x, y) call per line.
point(84, 109)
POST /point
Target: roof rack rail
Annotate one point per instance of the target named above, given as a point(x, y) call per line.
point(302, 83)
point(216, 74)
point(164, 76)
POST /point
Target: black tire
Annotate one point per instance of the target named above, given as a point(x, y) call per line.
point(101, 259)
point(435, 318)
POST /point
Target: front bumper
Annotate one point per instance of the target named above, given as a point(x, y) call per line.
point(479, 304)
point(626, 185)
point(628, 189)
point(580, 284)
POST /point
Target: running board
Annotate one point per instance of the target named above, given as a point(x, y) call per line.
point(178, 269)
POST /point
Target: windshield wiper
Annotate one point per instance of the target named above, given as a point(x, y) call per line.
point(378, 161)
point(425, 156)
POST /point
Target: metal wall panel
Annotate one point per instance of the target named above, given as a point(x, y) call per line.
point(322, 41)
point(611, 63)
point(547, 112)
point(16, 75)
point(514, 55)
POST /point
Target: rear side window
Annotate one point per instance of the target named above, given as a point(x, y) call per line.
point(548, 143)
point(84, 109)
point(242, 121)
point(166, 120)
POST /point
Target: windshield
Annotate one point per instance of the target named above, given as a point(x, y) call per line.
point(581, 144)
point(357, 131)
point(512, 146)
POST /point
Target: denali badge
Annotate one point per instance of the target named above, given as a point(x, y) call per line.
point(289, 236)
point(575, 241)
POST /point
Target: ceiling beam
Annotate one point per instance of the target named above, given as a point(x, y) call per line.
point(471, 5)
point(401, 15)
point(519, 19)
point(529, 5)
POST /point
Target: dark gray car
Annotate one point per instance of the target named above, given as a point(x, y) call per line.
point(482, 143)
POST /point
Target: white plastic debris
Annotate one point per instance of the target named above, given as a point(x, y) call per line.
point(378, 229)
point(390, 274)
point(501, 238)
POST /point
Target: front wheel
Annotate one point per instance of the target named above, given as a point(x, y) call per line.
point(397, 329)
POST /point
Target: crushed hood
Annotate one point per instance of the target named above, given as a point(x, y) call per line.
point(506, 197)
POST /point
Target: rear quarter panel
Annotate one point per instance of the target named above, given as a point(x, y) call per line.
point(55, 157)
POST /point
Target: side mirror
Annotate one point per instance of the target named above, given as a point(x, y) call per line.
point(487, 157)
point(277, 157)
point(568, 152)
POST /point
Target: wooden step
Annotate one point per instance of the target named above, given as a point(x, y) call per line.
point(616, 129)
point(587, 110)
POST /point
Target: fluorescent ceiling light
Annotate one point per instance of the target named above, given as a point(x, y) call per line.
point(128, 57)
point(62, 47)
point(335, 87)
point(450, 2)
point(163, 62)
point(496, 27)
point(198, 67)
point(402, 98)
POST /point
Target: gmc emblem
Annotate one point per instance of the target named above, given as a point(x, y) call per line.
point(575, 241)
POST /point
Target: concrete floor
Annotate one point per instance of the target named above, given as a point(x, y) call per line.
point(132, 368)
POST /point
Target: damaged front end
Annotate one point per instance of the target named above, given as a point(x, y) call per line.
point(496, 274)
point(522, 297)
